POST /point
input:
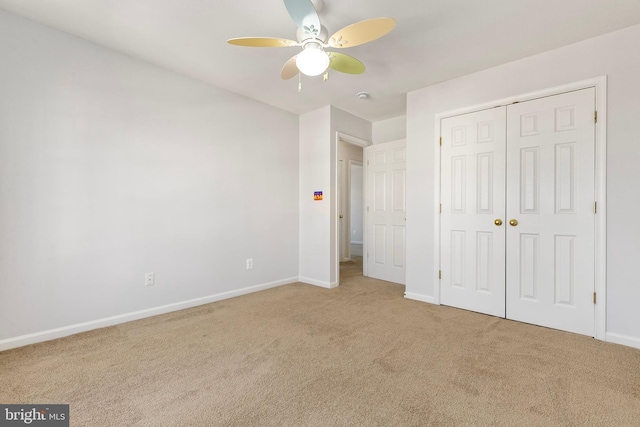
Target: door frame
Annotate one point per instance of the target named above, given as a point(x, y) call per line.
point(349, 139)
point(600, 184)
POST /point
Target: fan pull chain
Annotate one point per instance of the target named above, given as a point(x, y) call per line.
point(299, 83)
point(325, 77)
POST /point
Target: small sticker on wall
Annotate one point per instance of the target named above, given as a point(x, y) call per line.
point(317, 195)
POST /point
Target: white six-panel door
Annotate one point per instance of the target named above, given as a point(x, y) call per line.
point(538, 265)
point(386, 211)
point(473, 207)
point(550, 193)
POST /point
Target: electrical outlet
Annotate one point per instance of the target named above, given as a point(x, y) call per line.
point(249, 263)
point(148, 279)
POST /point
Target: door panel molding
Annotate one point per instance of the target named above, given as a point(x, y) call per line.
point(472, 184)
point(385, 211)
point(600, 85)
point(551, 195)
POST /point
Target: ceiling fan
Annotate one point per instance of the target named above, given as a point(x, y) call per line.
point(313, 38)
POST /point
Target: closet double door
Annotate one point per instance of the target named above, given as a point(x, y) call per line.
point(517, 211)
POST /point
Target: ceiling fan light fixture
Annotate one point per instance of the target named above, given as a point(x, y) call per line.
point(313, 60)
point(314, 38)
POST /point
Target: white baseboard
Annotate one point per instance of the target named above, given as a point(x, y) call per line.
point(420, 297)
point(314, 282)
point(623, 339)
point(64, 331)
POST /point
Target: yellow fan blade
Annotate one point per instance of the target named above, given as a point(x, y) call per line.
point(345, 63)
point(262, 42)
point(362, 32)
point(290, 69)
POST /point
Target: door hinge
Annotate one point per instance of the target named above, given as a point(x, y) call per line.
point(440, 141)
point(595, 207)
point(439, 274)
point(594, 297)
point(440, 207)
point(367, 162)
point(595, 117)
point(367, 208)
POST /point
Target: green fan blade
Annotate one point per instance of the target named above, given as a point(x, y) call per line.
point(345, 63)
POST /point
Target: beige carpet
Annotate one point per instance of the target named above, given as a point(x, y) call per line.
point(358, 355)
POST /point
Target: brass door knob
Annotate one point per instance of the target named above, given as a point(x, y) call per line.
point(498, 222)
point(513, 222)
point(340, 216)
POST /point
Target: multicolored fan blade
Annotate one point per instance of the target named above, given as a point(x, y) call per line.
point(262, 42)
point(304, 15)
point(361, 32)
point(290, 69)
point(345, 63)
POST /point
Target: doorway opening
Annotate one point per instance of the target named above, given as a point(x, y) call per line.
point(351, 218)
point(350, 240)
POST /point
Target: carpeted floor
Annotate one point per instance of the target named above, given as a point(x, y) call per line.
point(357, 355)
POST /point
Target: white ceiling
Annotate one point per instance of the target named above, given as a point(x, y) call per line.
point(434, 41)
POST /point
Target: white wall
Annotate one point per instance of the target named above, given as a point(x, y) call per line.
point(389, 130)
point(315, 221)
point(347, 151)
point(615, 55)
point(111, 168)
